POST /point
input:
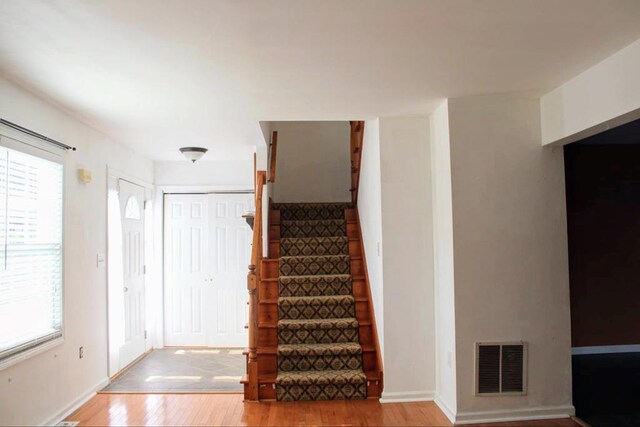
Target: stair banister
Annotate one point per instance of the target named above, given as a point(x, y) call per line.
point(253, 278)
point(273, 156)
point(357, 134)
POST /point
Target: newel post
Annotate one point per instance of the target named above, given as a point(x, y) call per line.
point(252, 364)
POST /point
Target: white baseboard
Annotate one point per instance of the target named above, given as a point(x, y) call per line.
point(81, 400)
point(524, 414)
point(445, 409)
point(406, 396)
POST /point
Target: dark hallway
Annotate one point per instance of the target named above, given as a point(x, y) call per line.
point(603, 220)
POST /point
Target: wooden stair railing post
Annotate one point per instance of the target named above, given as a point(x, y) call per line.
point(253, 278)
point(252, 364)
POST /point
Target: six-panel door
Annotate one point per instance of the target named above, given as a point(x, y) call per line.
point(207, 249)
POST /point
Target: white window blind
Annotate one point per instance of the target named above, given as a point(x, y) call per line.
point(31, 206)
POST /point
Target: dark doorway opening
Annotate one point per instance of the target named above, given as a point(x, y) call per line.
point(602, 175)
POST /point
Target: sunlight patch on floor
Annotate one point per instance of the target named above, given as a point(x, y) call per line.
point(204, 351)
point(173, 378)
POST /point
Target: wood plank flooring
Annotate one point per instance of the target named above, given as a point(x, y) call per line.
point(229, 409)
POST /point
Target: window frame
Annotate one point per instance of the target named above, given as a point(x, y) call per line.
point(14, 140)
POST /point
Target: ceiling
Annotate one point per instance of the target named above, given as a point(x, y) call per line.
point(160, 74)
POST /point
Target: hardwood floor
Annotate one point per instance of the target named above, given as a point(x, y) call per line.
point(229, 409)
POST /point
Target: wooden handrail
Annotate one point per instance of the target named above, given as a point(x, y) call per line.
point(357, 135)
point(274, 152)
point(253, 278)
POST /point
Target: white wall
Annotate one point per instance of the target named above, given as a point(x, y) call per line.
point(510, 251)
point(230, 172)
point(265, 127)
point(408, 259)
point(370, 215)
point(313, 163)
point(445, 333)
point(40, 389)
point(605, 91)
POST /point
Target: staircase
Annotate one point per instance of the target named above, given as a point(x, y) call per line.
point(312, 333)
point(319, 355)
point(316, 339)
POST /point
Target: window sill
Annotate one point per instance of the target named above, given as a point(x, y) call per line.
point(27, 354)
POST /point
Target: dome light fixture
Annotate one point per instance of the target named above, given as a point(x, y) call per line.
point(193, 153)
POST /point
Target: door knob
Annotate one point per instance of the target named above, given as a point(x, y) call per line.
point(126, 289)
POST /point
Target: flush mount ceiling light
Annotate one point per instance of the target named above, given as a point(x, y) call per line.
point(193, 153)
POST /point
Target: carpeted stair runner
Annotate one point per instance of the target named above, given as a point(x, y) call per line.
point(319, 355)
point(313, 228)
point(331, 284)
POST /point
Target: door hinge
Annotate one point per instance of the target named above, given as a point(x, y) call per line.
point(144, 269)
point(145, 334)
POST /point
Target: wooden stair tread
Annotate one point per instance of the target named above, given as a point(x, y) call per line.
point(274, 350)
point(262, 350)
point(372, 375)
point(262, 378)
point(275, 279)
point(267, 325)
point(351, 239)
point(271, 301)
point(271, 377)
point(267, 378)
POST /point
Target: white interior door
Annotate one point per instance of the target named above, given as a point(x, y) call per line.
point(207, 251)
point(132, 214)
point(185, 265)
point(230, 247)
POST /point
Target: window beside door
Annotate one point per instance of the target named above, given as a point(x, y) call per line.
point(31, 215)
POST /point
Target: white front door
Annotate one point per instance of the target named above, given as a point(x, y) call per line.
point(230, 249)
point(207, 252)
point(132, 214)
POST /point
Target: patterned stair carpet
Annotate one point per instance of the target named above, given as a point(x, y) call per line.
point(319, 355)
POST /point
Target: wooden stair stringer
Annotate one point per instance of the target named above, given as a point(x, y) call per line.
point(364, 307)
